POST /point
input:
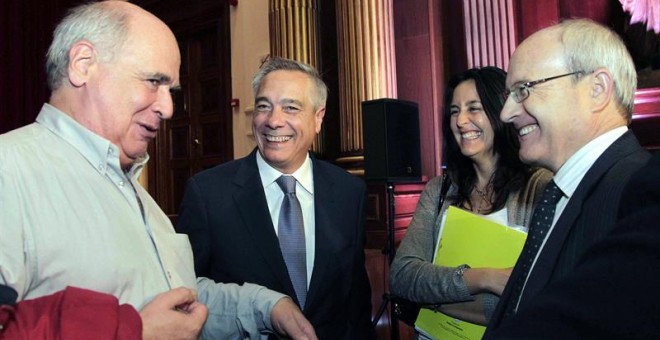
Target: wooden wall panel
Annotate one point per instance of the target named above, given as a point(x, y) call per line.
point(420, 76)
point(534, 15)
point(646, 118)
point(26, 29)
point(378, 273)
point(601, 11)
point(405, 198)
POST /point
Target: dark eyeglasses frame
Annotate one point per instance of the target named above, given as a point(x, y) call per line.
point(515, 91)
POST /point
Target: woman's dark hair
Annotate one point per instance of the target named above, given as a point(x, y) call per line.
point(510, 174)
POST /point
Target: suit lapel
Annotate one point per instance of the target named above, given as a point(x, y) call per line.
point(545, 264)
point(505, 299)
point(326, 241)
point(251, 204)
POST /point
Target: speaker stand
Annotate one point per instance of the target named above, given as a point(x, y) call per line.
point(390, 250)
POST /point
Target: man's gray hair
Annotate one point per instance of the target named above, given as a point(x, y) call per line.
point(103, 26)
point(589, 45)
point(277, 64)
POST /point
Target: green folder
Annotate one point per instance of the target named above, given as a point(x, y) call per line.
point(479, 242)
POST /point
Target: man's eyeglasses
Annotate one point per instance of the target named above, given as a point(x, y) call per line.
point(520, 92)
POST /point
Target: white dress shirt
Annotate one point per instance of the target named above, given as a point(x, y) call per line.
point(304, 191)
point(571, 173)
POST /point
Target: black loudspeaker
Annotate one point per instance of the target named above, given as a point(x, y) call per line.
point(390, 128)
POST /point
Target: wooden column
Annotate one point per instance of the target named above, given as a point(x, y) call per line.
point(367, 69)
point(293, 30)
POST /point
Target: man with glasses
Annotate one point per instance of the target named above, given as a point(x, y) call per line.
point(610, 294)
point(570, 95)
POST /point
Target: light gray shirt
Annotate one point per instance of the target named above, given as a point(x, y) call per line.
point(72, 216)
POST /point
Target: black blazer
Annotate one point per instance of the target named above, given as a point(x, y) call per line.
point(612, 292)
point(225, 214)
point(591, 214)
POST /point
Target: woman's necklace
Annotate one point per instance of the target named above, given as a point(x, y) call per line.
point(483, 194)
point(483, 199)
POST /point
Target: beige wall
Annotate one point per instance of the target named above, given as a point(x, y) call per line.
point(249, 44)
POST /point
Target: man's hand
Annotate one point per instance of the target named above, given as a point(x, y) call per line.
point(175, 314)
point(288, 321)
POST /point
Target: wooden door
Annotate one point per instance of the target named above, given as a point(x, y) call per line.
point(199, 135)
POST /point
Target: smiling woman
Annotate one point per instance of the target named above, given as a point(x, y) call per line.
point(488, 178)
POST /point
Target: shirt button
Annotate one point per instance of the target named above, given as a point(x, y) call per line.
point(121, 183)
point(109, 151)
point(101, 167)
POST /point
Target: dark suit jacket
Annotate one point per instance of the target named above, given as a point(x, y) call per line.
point(225, 214)
point(612, 292)
point(591, 214)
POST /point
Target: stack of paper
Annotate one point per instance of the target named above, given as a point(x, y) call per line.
point(476, 241)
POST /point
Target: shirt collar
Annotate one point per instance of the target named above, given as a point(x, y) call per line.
point(99, 152)
point(571, 173)
point(303, 175)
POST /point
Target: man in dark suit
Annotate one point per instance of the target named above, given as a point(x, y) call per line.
point(234, 213)
point(571, 104)
point(610, 293)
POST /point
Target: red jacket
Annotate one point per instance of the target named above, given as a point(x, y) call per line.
point(73, 313)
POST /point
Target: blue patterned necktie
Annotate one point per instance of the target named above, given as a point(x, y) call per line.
point(542, 219)
point(291, 233)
